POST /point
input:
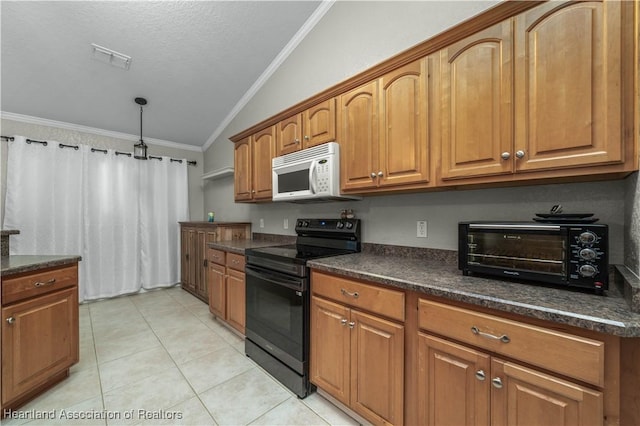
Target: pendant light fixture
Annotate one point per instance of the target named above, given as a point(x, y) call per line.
point(140, 149)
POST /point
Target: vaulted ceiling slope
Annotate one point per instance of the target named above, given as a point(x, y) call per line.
point(192, 60)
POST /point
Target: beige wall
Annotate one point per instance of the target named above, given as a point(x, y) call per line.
point(39, 132)
point(350, 38)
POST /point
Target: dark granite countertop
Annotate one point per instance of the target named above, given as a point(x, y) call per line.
point(239, 246)
point(216, 223)
point(12, 265)
point(608, 314)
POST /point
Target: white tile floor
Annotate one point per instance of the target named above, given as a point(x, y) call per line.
point(163, 353)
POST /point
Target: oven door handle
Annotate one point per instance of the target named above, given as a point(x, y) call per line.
point(280, 280)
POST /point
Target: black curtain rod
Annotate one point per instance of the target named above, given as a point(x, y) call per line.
point(128, 154)
point(76, 147)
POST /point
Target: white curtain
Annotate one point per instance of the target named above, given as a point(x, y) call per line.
point(44, 198)
point(164, 202)
point(120, 214)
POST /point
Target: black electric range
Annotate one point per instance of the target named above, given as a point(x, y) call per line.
point(278, 297)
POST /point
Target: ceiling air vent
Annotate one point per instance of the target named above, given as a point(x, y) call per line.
point(110, 57)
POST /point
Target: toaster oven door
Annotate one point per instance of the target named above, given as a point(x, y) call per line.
point(518, 250)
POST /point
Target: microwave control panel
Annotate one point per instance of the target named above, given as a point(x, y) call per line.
point(589, 255)
point(323, 176)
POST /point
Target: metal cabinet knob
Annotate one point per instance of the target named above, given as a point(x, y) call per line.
point(496, 382)
point(480, 375)
point(505, 155)
point(373, 175)
point(380, 174)
point(11, 320)
point(306, 137)
point(520, 154)
point(297, 140)
point(352, 324)
point(343, 321)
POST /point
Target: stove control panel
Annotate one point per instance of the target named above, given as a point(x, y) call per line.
point(316, 227)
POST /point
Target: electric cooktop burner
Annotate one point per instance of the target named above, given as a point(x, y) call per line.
point(300, 252)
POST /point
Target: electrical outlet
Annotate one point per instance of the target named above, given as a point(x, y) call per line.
point(261, 223)
point(422, 229)
point(285, 224)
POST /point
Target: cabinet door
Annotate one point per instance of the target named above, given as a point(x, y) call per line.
point(330, 346)
point(568, 85)
point(184, 256)
point(217, 290)
point(41, 341)
point(288, 135)
point(377, 368)
point(236, 299)
point(528, 397)
point(359, 137)
point(477, 109)
point(263, 151)
point(193, 260)
point(319, 124)
point(201, 281)
point(242, 164)
point(453, 383)
point(404, 147)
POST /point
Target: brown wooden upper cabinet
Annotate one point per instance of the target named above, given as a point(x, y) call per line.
point(568, 85)
point(315, 126)
point(553, 104)
point(383, 130)
point(252, 160)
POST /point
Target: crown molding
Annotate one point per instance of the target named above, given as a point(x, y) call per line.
point(93, 130)
point(310, 23)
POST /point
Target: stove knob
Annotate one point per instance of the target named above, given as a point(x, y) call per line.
point(587, 254)
point(299, 224)
point(587, 271)
point(340, 225)
point(305, 223)
point(349, 225)
point(587, 237)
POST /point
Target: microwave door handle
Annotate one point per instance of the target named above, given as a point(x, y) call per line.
point(312, 177)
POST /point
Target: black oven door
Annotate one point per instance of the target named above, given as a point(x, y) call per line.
point(275, 315)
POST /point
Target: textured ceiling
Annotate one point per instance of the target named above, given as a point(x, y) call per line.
point(192, 60)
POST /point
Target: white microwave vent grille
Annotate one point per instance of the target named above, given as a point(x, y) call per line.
point(305, 154)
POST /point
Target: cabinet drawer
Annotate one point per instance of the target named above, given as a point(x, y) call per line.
point(574, 356)
point(379, 300)
point(235, 261)
point(37, 283)
point(216, 256)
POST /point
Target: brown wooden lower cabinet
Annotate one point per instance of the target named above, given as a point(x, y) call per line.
point(227, 287)
point(194, 238)
point(40, 331)
point(400, 357)
point(459, 385)
point(356, 356)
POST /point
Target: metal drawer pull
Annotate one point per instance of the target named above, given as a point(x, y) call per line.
point(11, 320)
point(504, 338)
point(343, 321)
point(480, 375)
point(355, 294)
point(496, 382)
point(352, 324)
point(40, 283)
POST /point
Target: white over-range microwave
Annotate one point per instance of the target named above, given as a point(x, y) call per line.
point(309, 175)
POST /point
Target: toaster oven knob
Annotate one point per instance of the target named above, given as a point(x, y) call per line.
point(587, 254)
point(349, 225)
point(587, 237)
point(340, 225)
point(587, 271)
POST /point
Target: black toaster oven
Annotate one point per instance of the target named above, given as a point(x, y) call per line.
point(573, 255)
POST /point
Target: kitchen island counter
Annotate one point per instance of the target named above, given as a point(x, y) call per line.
point(608, 314)
point(17, 264)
